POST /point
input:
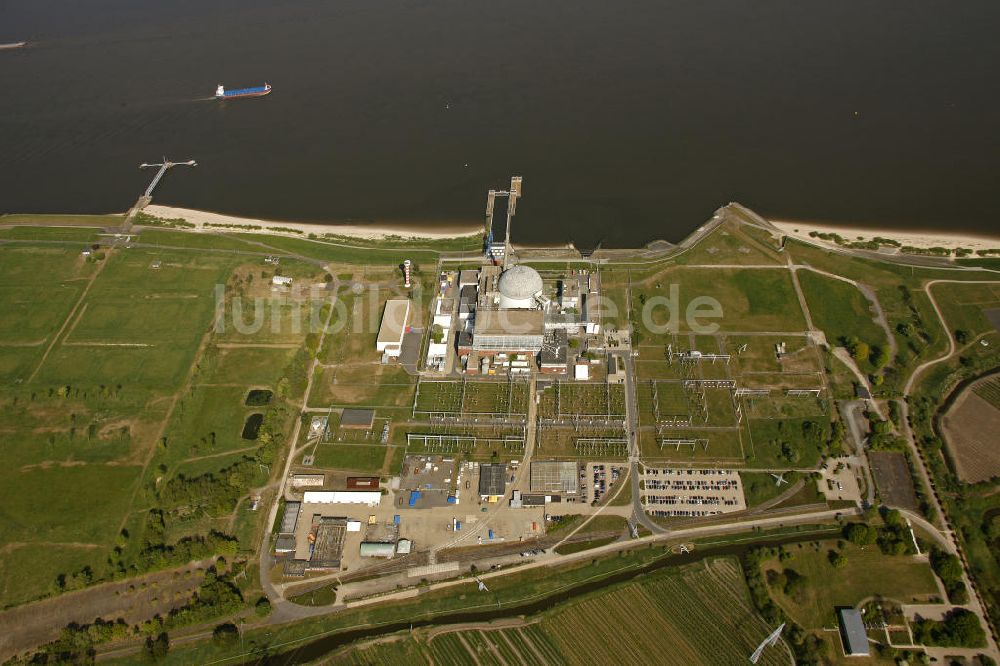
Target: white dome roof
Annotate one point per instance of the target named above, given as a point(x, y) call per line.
point(520, 282)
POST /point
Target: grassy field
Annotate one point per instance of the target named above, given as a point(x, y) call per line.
point(132, 392)
point(82, 235)
point(62, 220)
point(759, 487)
point(749, 299)
point(728, 245)
point(964, 306)
point(840, 310)
point(867, 573)
point(351, 457)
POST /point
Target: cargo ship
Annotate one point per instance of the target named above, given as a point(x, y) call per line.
point(257, 91)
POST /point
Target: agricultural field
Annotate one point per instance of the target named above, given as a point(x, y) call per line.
point(989, 391)
point(866, 573)
point(969, 428)
point(697, 614)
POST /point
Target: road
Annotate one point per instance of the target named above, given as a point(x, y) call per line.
point(639, 515)
point(945, 533)
point(277, 601)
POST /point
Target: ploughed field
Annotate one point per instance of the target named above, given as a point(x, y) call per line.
point(970, 428)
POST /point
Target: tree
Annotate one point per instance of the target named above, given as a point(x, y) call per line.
point(961, 337)
point(960, 628)
point(263, 607)
point(860, 534)
point(837, 559)
point(878, 357)
point(437, 334)
point(157, 648)
point(225, 634)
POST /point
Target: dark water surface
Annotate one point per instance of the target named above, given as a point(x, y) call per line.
point(628, 120)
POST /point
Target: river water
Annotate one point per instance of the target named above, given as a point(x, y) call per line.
point(629, 121)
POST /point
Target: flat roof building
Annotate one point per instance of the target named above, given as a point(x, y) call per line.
point(290, 518)
point(362, 483)
point(285, 543)
point(554, 351)
point(328, 542)
point(469, 276)
point(555, 476)
point(852, 631)
point(303, 480)
point(370, 498)
point(386, 550)
point(508, 331)
point(394, 321)
point(492, 481)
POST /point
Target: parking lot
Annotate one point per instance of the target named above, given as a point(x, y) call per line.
point(839, 480)
point(691, 493)
point(598, 479)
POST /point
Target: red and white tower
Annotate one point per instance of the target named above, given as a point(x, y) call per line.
point(406, 273)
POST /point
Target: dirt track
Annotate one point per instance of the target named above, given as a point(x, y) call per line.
point(134, 600)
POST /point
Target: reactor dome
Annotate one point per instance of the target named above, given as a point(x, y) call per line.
point(518, 286)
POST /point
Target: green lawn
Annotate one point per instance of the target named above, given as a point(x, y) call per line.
point(759, 487)
point(867, 573)
point(352, 457)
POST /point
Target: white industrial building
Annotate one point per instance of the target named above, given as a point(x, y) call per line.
point(367, 497)
point(393, 327)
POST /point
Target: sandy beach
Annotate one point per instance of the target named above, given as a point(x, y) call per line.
point(918, 239)
point(206, 220)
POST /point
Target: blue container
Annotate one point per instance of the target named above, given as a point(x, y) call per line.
point(491, 535)
point(414, 496)
point(458, 525)
point(452, 499)
point(395, 519)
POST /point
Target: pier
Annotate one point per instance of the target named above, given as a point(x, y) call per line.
point(164, 165)
point(147, 196)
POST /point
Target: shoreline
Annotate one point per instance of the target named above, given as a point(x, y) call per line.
point(209, 221)
point(906, 237)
